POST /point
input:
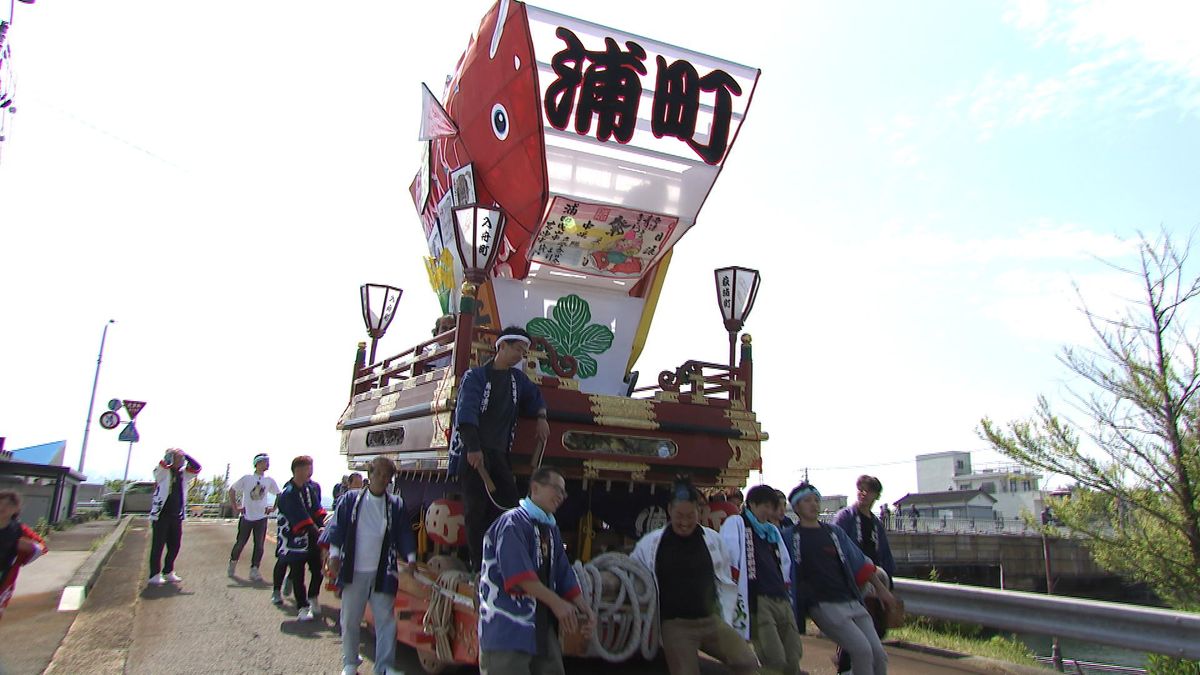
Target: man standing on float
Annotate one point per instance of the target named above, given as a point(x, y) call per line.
point(489, 400)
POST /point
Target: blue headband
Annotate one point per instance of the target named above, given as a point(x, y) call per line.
point(802, 492)
point(262, 456)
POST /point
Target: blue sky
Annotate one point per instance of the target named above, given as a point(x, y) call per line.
point(920, 184)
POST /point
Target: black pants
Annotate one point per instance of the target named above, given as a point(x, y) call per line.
point(295, 570)
point(479, 511)
point(167, 531)
point(245, 528)
point(280, 572)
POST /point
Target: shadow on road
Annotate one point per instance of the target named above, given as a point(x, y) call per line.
point(317, 628)
point(164, 591)
point(245, 583)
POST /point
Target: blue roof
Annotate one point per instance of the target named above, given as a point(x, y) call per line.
point(46, 453)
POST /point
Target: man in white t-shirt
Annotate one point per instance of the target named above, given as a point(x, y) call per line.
point(253, 492)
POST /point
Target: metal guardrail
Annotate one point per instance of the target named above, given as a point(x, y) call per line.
point(1146, 629)
point(204, 510)
point(1087, 667)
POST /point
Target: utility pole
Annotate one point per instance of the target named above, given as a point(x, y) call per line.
point(92, 402)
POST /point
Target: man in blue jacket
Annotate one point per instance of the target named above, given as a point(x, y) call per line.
point(368, 539)
point(870, 533)
point(485, 417)
point(827, 571)
point(301, 519)
point(528, 588)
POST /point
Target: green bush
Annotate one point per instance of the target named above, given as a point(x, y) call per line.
point(42, 527)
point(1157, 664)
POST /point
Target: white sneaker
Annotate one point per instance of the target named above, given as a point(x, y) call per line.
point(157, 580)
point(230, 569)
point(276, 598)
point(254, 575)
point(314, 607)
point(172, 577)
point(305, 614)
point(349, 670)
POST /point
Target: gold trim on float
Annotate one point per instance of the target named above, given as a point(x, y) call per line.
point(593, 467)
point(387, 403)
point(742, 414)
point(441, 424)
point(745, 453)
point(345, 444)
point(621, 407)
point(444, 390)
point(626, 423)
point(749, 429)
point(667, 396)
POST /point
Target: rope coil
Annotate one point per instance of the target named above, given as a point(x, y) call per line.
point(439, 617)
point(628, 622)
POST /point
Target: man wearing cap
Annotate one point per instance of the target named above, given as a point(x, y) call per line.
point(489, 400)
point(828, 569)
point(254, 490)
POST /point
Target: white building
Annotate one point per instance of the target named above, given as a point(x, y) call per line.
point(1016, 489)
point(833, 503)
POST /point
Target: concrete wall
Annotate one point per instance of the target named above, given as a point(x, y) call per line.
point(1020, 559)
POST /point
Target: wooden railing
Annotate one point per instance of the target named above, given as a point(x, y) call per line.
point(698, 378)
point(409, 363)
point(420, 359)
point(695, 378)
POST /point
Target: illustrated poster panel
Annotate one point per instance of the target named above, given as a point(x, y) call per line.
point(604, 241)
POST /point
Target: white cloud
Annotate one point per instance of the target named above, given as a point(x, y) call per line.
point(1138, 59)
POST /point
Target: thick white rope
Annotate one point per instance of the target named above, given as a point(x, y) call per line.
point(439, 617)
point(628, 622)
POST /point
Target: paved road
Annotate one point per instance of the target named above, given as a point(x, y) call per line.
point(213, 624)
point(32, 619)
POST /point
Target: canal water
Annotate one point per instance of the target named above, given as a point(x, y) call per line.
point(1085, 651)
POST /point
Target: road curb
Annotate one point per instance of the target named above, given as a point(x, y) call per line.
point(85, 577)
point(979, 664)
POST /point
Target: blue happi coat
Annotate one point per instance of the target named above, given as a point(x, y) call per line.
point(298, 509)
point(857, 568)
point(511, 555)
point(398, 541)
point(473, 394)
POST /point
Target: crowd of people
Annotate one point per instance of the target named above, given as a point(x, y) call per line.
point(742, 594)
point(360, 547)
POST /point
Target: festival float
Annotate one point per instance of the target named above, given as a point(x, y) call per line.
point(562, 163)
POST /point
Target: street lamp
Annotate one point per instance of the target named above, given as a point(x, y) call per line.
point(92, 402)
point(378, 307)
point(737, 287)
point(478, 231)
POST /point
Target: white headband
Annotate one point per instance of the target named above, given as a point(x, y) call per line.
point(511, 338)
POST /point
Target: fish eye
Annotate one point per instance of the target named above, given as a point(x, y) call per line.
point(500, 121)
